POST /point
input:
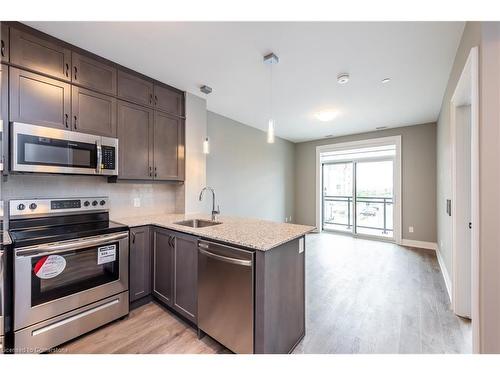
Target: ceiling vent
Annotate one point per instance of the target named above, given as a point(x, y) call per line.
point(205, 89)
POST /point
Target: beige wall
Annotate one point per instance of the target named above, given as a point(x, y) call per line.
point(251, 177)
point(489, 186)
point(418, 178)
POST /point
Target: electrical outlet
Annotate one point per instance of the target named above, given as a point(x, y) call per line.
point(410, 229)
point(286, 219)
point(137, 202)
point(290, 219)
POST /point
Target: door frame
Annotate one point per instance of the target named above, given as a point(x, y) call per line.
point(373, 142)
point(467, 85)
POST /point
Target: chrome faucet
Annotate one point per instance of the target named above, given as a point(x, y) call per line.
point(214, 211)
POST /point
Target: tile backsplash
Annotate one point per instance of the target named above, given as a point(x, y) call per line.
point(151, 198)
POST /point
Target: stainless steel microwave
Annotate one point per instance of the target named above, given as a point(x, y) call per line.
point(48, 150)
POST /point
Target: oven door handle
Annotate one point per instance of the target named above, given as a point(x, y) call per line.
point(54, 248)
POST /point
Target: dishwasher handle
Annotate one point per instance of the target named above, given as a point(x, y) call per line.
point(222, 258)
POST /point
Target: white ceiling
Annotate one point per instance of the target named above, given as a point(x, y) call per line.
point(228, 57)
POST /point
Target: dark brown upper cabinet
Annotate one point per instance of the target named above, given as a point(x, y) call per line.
point(93, 74)
point(39, 100)
point(4, 43)
point(135, 89)
point(4, 116)
point(40, 55)
point(135, 135)
point(140, 263)
point(168, 100)
point(92, 112)
point(168, 147)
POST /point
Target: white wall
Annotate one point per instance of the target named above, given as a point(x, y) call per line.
point(196, 131)
point(251, 177)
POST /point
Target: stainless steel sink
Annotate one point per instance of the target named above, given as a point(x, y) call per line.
point(198, 223)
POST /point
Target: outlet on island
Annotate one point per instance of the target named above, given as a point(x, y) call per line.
point(137, 202)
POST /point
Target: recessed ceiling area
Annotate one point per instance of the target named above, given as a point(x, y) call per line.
point(227, 56)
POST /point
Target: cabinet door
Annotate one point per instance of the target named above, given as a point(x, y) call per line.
point(168, 147)
point(4, 116)
point(140, 263)
point(135, 89)
point(4, 43)
point(93, 74)
point(39, 54)
point(163, 260)
point(186, 276)
point(168, 100)
point(93, 113)
point(135, 128)
point(38, 100)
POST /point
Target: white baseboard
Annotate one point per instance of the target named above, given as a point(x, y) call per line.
point(419, 244)
point(444, 272)
point(432, 246)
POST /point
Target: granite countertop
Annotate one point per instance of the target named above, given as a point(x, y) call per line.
point(6, 238)
point(252, 233)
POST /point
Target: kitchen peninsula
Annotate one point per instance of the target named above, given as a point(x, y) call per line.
point(239, 280)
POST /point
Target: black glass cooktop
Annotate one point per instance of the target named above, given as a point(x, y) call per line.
point(45, 231)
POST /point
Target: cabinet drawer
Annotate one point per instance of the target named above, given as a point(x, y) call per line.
point(38, 100)
point(4, 40)
point(93, 74)
point(135, 89)
point(39, 54)
point(93, 113)
point(168, 100)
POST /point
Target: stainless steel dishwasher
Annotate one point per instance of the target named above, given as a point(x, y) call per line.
point(226, 295)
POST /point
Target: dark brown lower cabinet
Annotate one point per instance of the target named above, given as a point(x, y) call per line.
point(175, 271)
point(140, 263)
point(163, 262)
point(186, 276)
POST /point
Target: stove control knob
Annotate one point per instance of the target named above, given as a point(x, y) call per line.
point(94, 203)
point(21, 207)
point(102, 203)
point(86, 203)
point(33, 206)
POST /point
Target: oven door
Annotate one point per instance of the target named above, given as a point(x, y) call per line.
point(48, 150)
point(52, 279)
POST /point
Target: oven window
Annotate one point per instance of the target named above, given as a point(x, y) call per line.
point(63, 274)
point(55, 152)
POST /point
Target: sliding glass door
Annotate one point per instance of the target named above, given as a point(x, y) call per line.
point(338, 202)
point(358, 197)
point(374, 198)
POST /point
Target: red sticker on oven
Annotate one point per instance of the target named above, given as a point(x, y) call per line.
point(49, 266)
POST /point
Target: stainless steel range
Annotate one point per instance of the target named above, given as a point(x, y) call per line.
point(70, 270)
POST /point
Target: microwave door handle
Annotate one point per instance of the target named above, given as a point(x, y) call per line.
point(55, 248)
point(99, 158)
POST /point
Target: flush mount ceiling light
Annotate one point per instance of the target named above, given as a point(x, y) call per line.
point(326, 115)
point(381, 127)
point(271, 59)
point(343, 78)
point(386, 80)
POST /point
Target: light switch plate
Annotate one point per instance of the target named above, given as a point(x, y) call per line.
point(410, 229)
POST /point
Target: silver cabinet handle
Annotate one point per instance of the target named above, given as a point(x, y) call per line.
point(54, 248)
point(222, 258)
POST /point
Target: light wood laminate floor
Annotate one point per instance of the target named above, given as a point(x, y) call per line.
point(361, 297)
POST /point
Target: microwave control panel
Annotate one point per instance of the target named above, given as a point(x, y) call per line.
point(108, 157)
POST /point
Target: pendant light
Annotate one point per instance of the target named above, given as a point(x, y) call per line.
point(271, 59)
point(206, 144)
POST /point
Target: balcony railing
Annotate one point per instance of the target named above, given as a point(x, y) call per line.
point(375, 211)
